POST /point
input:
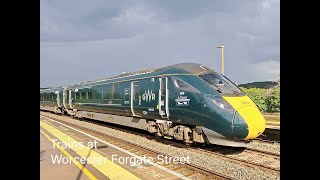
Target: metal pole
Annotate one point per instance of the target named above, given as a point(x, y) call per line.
point(222, 59)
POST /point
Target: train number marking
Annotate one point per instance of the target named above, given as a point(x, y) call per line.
point(184, 103)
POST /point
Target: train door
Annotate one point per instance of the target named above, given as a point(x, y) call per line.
point(58, 98)
point(70, 99)
point(64, 99)
point(135, 99)
point(163, 102)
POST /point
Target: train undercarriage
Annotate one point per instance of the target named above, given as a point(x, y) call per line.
point(189, 134)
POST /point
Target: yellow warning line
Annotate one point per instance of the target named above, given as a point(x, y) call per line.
point(106, 166)
point(85, 170)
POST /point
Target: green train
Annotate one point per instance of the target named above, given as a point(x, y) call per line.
point(187, 102)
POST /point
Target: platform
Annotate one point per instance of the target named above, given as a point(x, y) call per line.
point(83, 156)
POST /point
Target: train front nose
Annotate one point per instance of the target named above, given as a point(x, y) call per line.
point(248, 122)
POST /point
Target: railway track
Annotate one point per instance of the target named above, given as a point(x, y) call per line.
point(271, 135)
point(265, 153)
point(248, 157)
point(266, 140)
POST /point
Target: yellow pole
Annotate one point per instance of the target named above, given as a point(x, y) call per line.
point(222, 59)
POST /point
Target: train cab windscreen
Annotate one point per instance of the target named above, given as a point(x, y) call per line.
point(222, 84)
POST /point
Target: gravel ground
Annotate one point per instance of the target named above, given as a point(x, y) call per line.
point(274, 148)
point(213, 163)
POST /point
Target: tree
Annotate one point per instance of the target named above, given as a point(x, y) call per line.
point(273, 100)
point(257, 95)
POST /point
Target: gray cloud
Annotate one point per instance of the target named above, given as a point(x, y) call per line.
point(86, 40)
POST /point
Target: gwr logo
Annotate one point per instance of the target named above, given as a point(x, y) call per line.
point(148, 96)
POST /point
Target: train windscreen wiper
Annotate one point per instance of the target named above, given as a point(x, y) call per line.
point(216, 88)
point(236, 93)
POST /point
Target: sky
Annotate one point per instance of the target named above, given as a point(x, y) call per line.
point(83, 40)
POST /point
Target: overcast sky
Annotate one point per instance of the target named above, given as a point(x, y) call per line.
point(83, 40)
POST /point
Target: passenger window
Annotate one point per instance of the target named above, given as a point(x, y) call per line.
point(184, 85)
point(83, 95)
point(76, 95)
point(89, 95)
point(107, 92)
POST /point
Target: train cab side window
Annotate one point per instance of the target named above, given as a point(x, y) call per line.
point(180, 83)
point(184, 85)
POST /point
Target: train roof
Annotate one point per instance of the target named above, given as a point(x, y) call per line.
point(51, 89)
point(190, 68)
point(182, 68)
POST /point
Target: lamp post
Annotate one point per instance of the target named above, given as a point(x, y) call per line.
point(222, 57)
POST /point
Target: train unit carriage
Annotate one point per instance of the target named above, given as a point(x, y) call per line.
point(187, 102)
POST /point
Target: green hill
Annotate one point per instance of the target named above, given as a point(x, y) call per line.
point(260, 84)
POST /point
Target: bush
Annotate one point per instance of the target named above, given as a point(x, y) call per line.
point(273, 100)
